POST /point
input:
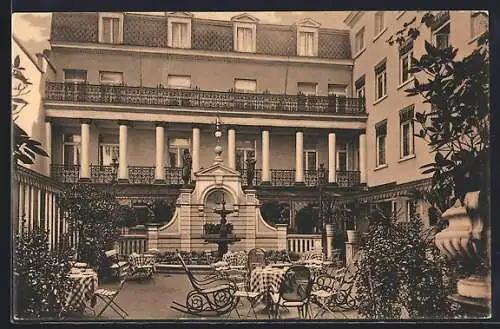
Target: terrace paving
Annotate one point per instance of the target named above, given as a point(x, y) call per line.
point(151, 300)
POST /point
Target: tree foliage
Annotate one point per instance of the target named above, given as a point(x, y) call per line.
point(275, 212)
point(94, 215)
point(25, 148)
point(402, 273)
point(41, 275)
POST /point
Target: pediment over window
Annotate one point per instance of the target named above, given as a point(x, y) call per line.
point(245, 18)
point(308, 22)
point(181, 14)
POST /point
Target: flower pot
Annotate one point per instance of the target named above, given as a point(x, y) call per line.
point(352, 236)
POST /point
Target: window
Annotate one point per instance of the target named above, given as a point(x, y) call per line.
point(388, 208)
point(71, 149)
point(360, 87)
point(108, 152)
point(381, 133)
point(307, 37)
point(111, 28)
point(176, 151)
point(342, 156)
point(411, 209)
point(338, 90)
point(75, 76)
point(245, 85)
point(359, 41)
point(245, 150)
point(441, 37)
point(379, 22)
point(244, 39)
point(405, 55)
point(380, 80)
point(179, 81)
point(111, 78)
point(307, 88)
point(406, 127)
point(179, 30)
point(306, 44)
point(311, 159)
point(479, 23)
point(244, 33)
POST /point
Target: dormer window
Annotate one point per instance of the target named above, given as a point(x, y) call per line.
point(245, 33)
point(307, 37)
point(179, 30)
point(111, 28)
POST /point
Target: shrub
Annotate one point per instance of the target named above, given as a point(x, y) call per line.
point(274, 212)
point(307, 220)
point(41, 276)
point(93, 214)
point(160, 211)
point(126, 215)
point(401, 273)
point(210, 228)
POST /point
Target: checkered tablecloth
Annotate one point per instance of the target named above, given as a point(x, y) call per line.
point(83, 290)
point(238, 258)
point(267, 279)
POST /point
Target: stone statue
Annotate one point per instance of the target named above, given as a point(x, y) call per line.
point(250, 171)
point(186, 167)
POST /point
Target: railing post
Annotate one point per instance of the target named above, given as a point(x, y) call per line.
point(281, 236)
point(329, 240)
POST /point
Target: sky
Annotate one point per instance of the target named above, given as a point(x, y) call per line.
point(33, 29)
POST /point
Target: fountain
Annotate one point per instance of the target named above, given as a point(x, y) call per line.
point(223, 238)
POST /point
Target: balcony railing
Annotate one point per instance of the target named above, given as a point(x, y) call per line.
point(173, 176)
point(231, 101)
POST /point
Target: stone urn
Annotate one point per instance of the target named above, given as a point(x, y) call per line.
point(460, 240)
point(353, 236)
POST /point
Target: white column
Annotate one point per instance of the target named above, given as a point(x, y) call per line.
point(123, 164)
point(196, 152)
point(22, 187)
point(332, 167)
point(47, 212)
point(266, 174)
point(50, 218)
point(160, 149)
point(48, 145)
point(299, 157)
point(84, 163)
point(231, 148)
point(39, 207)
point(362, 158)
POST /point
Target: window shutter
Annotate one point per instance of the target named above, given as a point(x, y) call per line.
point(406, 114)
point(381, 128)
point(115, 78)
point(360, 82)
point(380, 67)
point(405, 48)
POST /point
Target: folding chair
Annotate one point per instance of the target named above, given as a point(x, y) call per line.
point(108, 296)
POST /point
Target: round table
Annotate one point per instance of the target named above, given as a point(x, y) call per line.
point(85, 283)
point(267, 280)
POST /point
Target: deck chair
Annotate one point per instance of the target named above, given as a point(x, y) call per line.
point(108, 296)
point(209, 296)
point(294, 291)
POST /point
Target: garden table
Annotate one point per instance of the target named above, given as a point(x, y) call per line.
point(267, 280)
point(86, 282)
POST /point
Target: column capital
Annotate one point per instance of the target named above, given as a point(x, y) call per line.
point(124, 123)
point(196, 126)
point(299, 130)
point(161, 124)
point(86, 121)
point(231, 127)
point(265, 128)
point(49, 120)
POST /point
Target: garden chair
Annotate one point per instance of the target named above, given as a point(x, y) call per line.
point(108, 296)
point(256, 258)
point(142, 265)
point(294, 291)
point(210, 296)
point(117, 268)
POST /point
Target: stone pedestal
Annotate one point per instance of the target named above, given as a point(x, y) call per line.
point(152, 235)
point(350, 252)
point(329, 240)
point(282, 239)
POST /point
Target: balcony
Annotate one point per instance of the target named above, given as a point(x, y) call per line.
point(196, 98)
point(173, 176)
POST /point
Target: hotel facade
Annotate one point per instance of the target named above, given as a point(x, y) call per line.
point(319, 109)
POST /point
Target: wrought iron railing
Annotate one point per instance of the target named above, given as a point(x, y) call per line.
point(141, 174)
point(256, 179)
point(173, 176)
point(347, 178)
point(58, 91)
point(282, 177)
point(65, 173)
